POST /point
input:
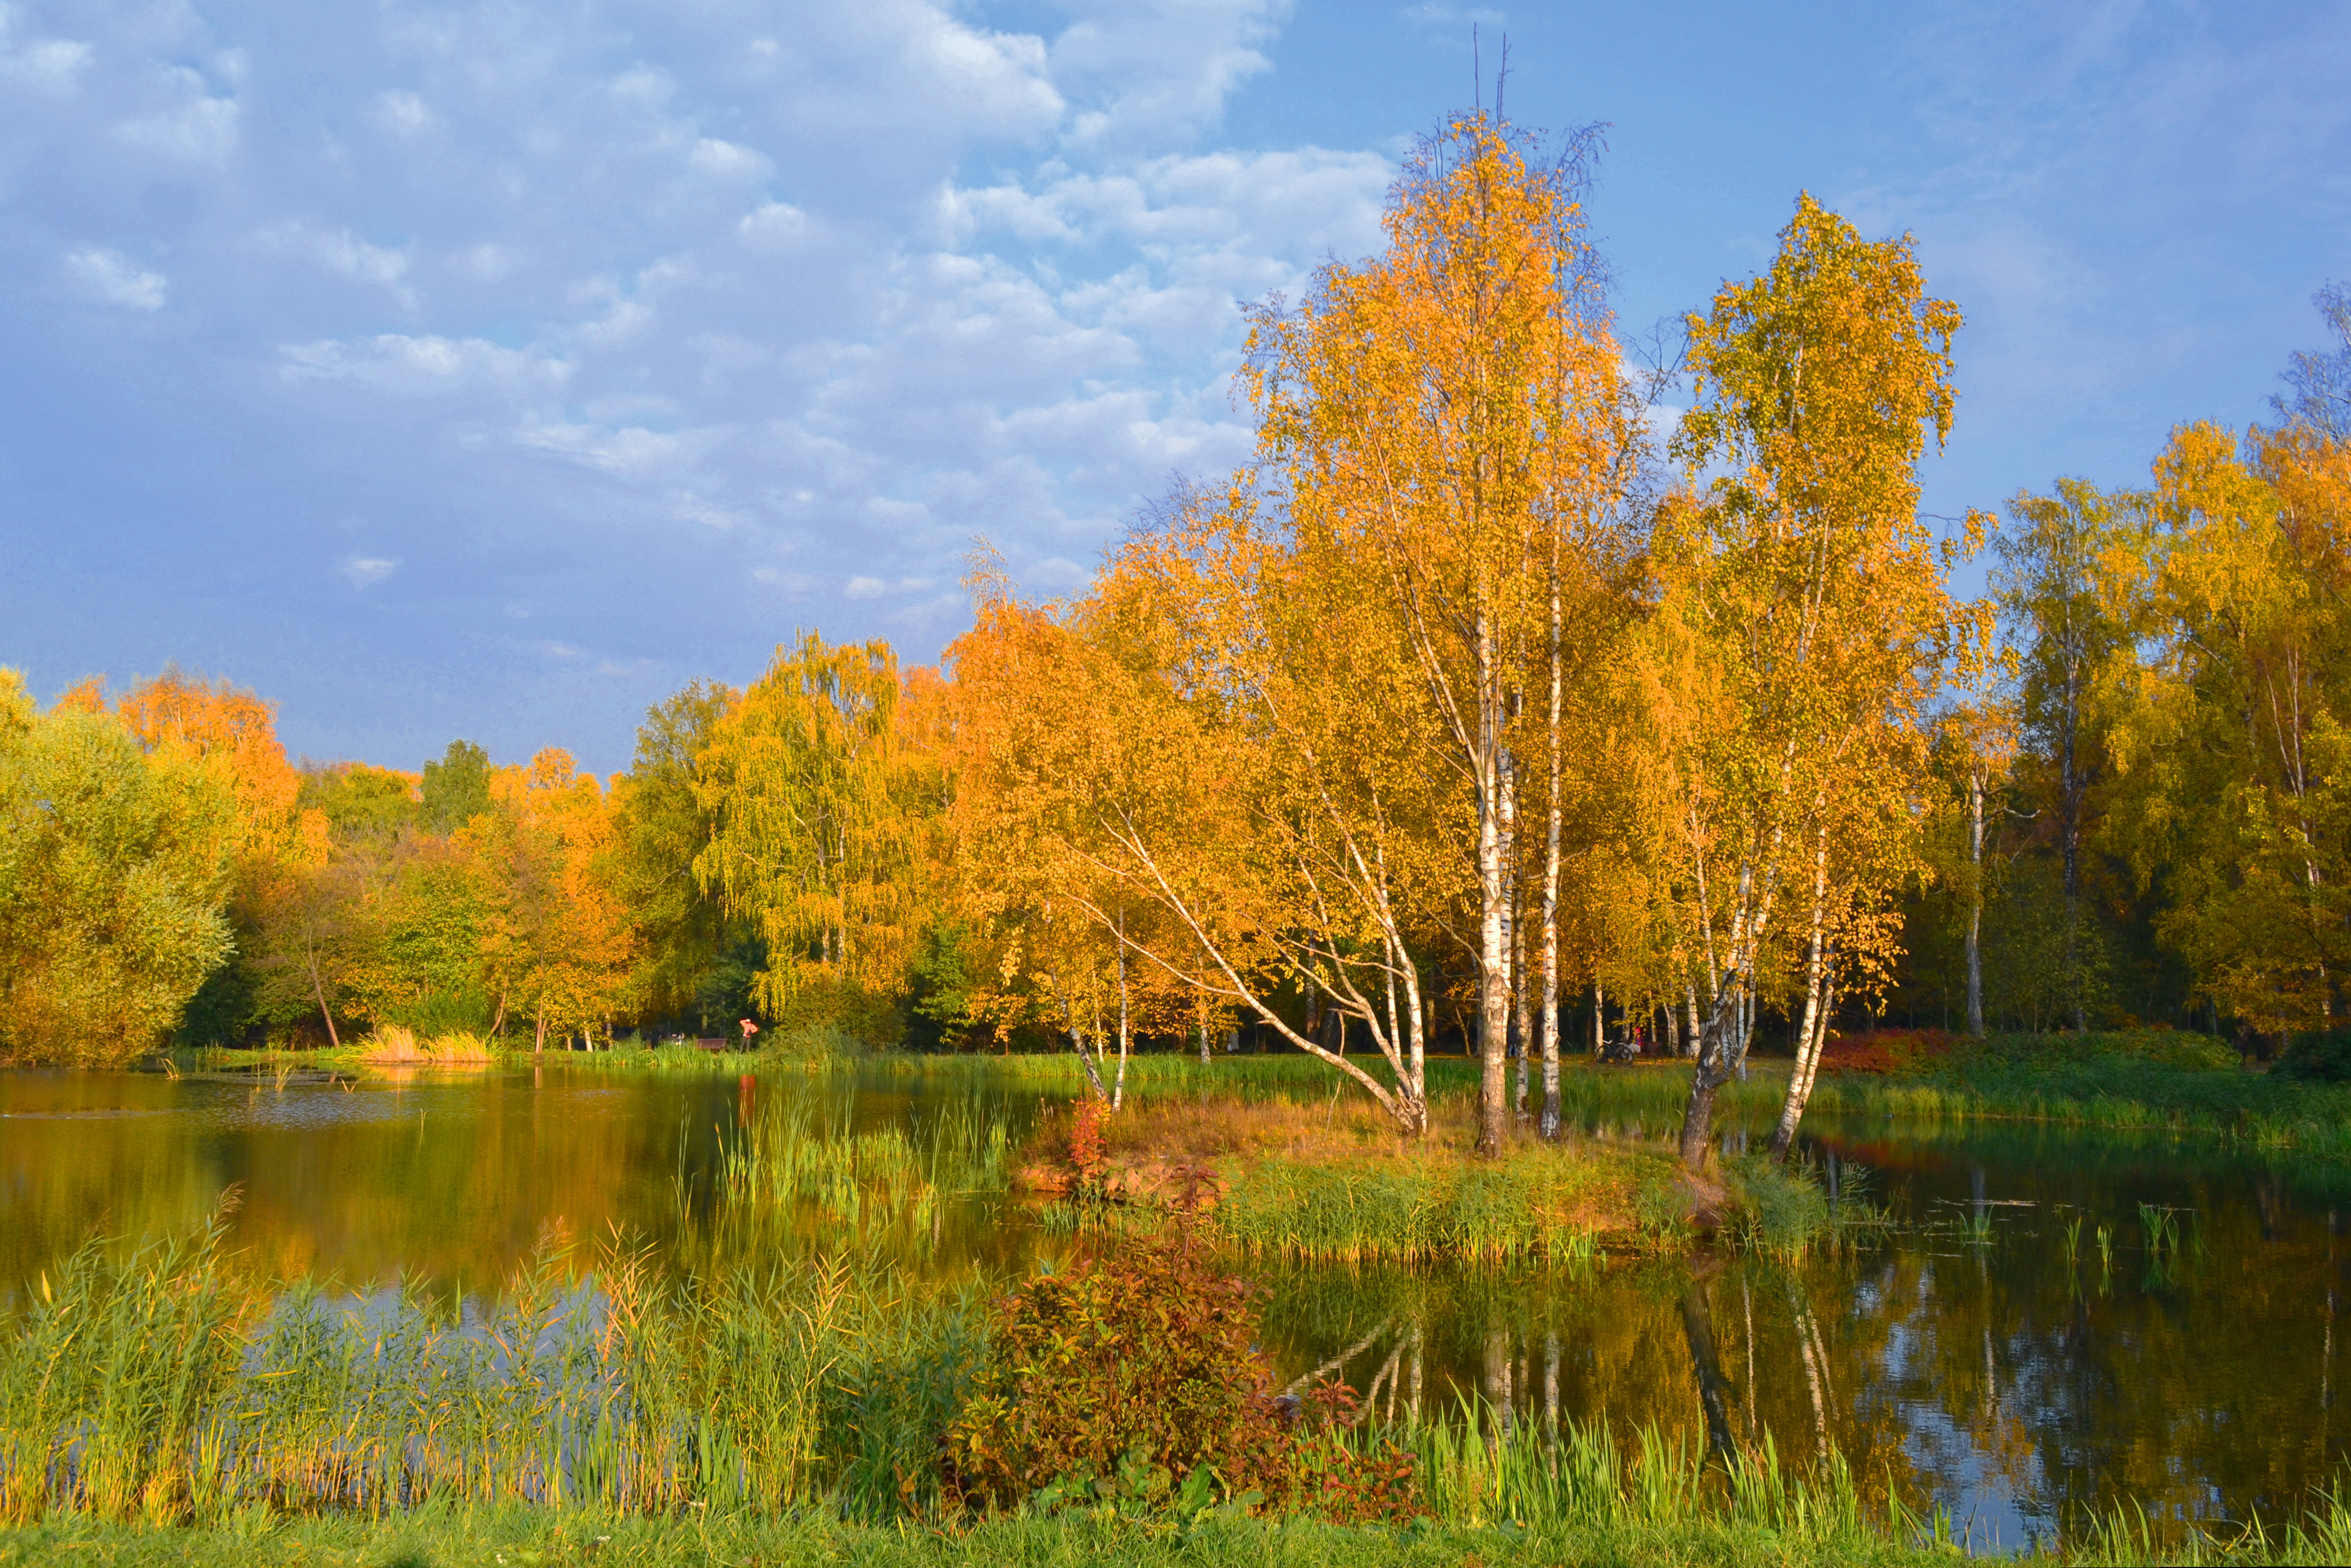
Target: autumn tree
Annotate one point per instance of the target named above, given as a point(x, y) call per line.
point(1449, 417)
point(558, 944)
point(661, 825)
point(1802, 623)
point(2234, 737)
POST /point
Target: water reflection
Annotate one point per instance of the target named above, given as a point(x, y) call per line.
point(2052, 1323)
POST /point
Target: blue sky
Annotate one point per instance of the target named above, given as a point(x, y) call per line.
point(491, 369)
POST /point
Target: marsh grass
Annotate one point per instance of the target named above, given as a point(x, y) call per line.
point(2147, 1080)
point(1331, 1180)
point(160, 1408)
point(161, 1388)
point(803, 1156)
point(392, 1045)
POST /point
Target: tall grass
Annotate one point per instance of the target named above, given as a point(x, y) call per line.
point(1536, 1202)
point(748, 1417)
point(155, 1389)
point(901, 1174)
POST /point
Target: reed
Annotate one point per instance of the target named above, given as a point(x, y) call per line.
point(395, 1045)
point(1535, 1202)
point(800, 1154)
point(156, 1409)
point(156, 1389)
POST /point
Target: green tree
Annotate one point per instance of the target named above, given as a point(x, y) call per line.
point(456, 789)
point(114, 870)
point(663, 823)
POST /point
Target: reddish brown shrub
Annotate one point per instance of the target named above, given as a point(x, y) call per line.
point(1885, 1051)
point(1139, 1368)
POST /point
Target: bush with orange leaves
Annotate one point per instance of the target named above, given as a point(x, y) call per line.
point(1133, 1381)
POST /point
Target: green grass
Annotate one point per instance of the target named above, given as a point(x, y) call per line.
point(2143, 1082)
point(529, 1537)
point(160, 1387)
point(1536, 1201)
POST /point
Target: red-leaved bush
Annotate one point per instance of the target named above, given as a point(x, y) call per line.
point(1885, 1051)
point(1087, 1152)
point(1140, 1367)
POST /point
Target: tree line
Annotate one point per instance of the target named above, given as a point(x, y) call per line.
point(1491, 700)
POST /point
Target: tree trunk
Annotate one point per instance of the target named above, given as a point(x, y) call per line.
point(539, 1032)
point(1549, 1127)
point(318, 989)
point(1523, 1018)
point(1599, 1021)
point(1975, 900)
point(1809, 1038)
point(1118, 1093)
point(1493, 938)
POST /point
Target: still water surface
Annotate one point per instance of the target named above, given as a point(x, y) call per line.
point(1963, 1357)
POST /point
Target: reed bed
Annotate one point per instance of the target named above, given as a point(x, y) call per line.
point(2232, 1105)
point(1533, 1203)
point(158, 1408)
point(394, 1045)
point(901, 1174)
point(160, 1389)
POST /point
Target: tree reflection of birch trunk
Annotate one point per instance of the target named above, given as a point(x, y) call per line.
point(1498, 1368)
point(1551, 1377)
point(1807, 1344)
point(1697, 1323)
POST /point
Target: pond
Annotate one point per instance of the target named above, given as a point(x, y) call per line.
point(2050, 1321)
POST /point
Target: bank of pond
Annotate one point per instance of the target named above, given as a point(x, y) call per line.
point(920, 1311)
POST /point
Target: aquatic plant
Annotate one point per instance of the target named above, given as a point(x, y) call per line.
point(160, 1388)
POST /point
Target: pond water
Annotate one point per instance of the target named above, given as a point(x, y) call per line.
point(1987, 1351)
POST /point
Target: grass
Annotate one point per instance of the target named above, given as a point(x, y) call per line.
point(792, 1161)
point(161, 1388)
point(165, 1409)
point(391, 1045)
point(1330, 1180)
point(535, 1537)
point(2144, 1080)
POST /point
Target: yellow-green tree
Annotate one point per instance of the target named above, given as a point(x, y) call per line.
point(822, 818)
point(2234, 740)
point(115, 864)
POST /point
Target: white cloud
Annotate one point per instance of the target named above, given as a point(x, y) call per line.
point(192, 128)
point(402, 112)
point(393, 363)
point(365, 571)
point(41, 65)
point(341, 253)
point(865, 588)
point(726, 161)
point(112, 278)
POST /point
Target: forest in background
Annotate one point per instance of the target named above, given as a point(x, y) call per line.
point(1484, 705)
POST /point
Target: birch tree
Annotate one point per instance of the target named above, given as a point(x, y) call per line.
point(1451, 415)
point(1803, 611)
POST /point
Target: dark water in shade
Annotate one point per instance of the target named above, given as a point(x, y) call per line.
point(1960, 1358)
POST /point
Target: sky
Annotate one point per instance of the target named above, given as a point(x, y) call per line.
point(493, 370)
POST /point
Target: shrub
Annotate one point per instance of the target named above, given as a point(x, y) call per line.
point(1133, 1374)
point(1087, 1155)
point(2317, 1058)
